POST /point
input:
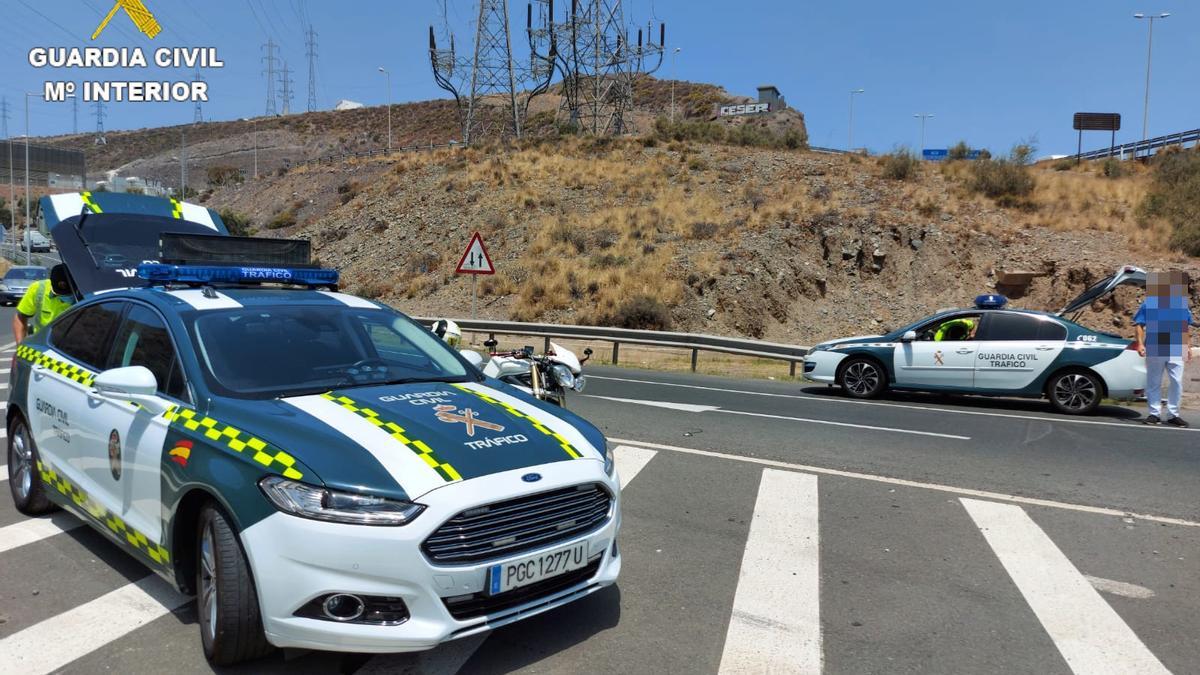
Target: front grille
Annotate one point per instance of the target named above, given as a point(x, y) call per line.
point(517, 525)
point(479, 604)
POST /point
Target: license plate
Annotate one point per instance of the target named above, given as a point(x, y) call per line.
point(535, 568)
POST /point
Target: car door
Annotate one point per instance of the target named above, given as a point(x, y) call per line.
point(1015, 349)
point(126, 441)
point(82, 338)
point(929, 363)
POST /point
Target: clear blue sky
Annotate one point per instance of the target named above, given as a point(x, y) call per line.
point(991, 73)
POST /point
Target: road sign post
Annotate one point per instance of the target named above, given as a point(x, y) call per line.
point(475, 261)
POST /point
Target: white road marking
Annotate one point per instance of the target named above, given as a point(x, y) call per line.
point(59, 640)
point(887, 480)
point(1120, 588)
point(685, 407)
point(1087, 631)
point(3, 472)
point(630, 461)
point(35, 529)
point(776, 624)
point(688, 407)
point(846, 400)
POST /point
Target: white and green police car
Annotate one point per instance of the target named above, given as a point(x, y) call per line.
point(993, 351)
point(320, 470)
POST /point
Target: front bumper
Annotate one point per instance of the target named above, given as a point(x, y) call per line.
point(822, 366)
point(295, 560)
point(13, 296)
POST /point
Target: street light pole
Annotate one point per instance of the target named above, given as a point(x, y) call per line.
point(674, 70)
point(923, 116)
point(389, 104)
point(28, 238)
point(850, 134)
point(254, 125)
point(1149, 51)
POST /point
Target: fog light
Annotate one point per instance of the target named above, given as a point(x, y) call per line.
point(342, 607)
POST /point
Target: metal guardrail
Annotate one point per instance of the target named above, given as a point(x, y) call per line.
point(831, 151)
point(695, 342)
point(1141, 147)
point(14, 252)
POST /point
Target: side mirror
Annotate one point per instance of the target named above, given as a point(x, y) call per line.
point(587, 354)
point(490, 343)
point(135, 384)
point(909, 336)
point(472, 357)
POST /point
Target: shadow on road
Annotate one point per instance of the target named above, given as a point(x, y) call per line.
point(983, 403)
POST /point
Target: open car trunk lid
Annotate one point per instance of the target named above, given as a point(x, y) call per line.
point(1127, 275)
point(102, 237)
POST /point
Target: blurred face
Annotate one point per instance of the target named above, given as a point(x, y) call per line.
point(1171, 284)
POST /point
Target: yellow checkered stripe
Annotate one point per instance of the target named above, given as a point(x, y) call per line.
point(566, 445)
point(235, 439)
point(91, 203)
point(67, 370)
point(176, 209)
point(101, 515)
point(443, 469)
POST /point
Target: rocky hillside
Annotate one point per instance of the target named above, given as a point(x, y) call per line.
point(778, 244)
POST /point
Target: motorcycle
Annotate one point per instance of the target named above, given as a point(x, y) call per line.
point(547, 376)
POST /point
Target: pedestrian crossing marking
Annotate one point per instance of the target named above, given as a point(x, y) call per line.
point(35, 529)
point(630, 461)
point(775, 626)
point(1087, 631)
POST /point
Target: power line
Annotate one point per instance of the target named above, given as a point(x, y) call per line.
point(60, 26)
point(310, 44)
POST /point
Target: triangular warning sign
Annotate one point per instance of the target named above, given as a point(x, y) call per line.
point(475, 260)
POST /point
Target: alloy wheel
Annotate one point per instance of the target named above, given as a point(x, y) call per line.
point(1075, 392)
point(208, 581)
point(861, 378)
point(20, 457)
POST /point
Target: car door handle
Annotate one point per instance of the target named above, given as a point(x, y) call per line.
point(1044, 349)
point(963, 351)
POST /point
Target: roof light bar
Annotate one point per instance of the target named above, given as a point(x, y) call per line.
point(205, 274)
point(990, 301)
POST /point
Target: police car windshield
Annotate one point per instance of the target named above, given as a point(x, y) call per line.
point(291, 351)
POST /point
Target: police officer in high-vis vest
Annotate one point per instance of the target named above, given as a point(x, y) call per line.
point(45, 300)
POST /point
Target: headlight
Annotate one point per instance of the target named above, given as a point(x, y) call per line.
point(819, 348)
point(3, 287)
point(609, 462)
point(579, 383)
point(310, 501)
point(563, 375)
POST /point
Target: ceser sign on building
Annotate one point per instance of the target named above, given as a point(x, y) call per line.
point(745, 109)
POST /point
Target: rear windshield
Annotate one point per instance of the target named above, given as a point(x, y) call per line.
point(26, 273)
point(290, 351)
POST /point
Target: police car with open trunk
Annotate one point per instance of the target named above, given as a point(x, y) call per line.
point(995, 351)
point(319, 469)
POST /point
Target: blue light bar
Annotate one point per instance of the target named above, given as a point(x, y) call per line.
point(204, 274)
point(990, 301)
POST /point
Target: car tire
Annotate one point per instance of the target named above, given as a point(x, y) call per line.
point(24, 477)
point(1075, 392)
point(862, 378)
point(231, 629)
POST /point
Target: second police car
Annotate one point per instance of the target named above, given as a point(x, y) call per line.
point(319, 469)
point(995, 351)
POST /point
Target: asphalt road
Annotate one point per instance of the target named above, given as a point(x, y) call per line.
point(769, 523)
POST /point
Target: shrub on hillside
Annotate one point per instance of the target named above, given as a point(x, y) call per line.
point(285, 218)
point(238, 224)
point(1174, 196)
point(348, 191)
point(639, 312)
point(1004, 180)
point(225, 175)
point(959, 150)
point(900, 164)
point(1113, 168)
